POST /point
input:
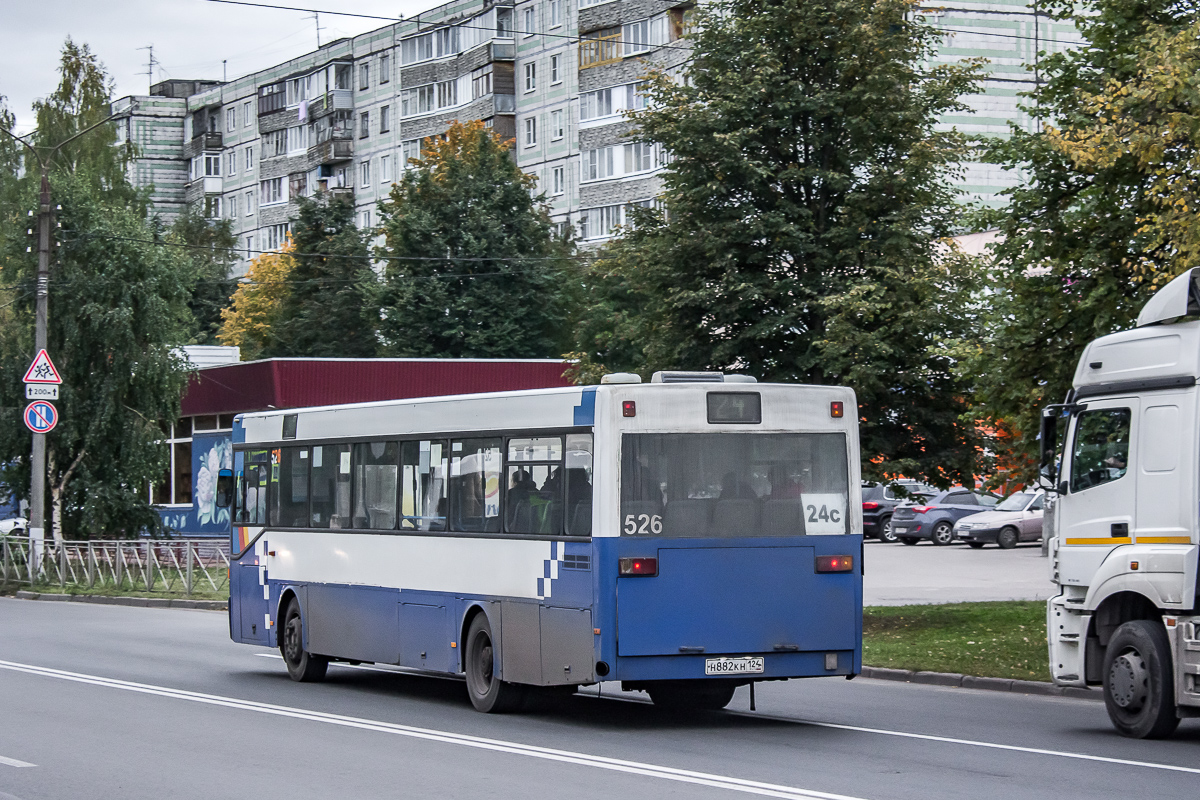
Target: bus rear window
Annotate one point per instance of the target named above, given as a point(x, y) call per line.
point(733, 484)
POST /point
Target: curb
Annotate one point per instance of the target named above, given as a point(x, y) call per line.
point(973, 682)
point(139, 602)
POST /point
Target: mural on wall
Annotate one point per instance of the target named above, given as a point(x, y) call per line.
point(210, 454)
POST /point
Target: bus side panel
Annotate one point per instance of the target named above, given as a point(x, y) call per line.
point(355, 622)
point(425, 632)
point(249, 599)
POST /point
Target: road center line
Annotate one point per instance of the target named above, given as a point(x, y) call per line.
point(12, 762)
point(446, 737)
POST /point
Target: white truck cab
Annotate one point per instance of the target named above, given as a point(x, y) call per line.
point(1126, 518)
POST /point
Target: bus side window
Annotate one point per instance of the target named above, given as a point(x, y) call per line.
point(239, 497)
point(258, 469)
point(579, 485)
point(533, 498)
point(475, 484)
point(330, 484)
point(424, 468)
point(289, 493)
point(375, 485)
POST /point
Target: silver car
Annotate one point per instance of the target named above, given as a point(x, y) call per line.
point(1017, 519)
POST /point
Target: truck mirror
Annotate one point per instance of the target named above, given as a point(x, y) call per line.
point(1049, 441)
point(225, 488)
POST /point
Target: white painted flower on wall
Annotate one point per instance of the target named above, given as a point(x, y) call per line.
point(218, 457)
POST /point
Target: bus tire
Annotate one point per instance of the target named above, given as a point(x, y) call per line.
point(302, 666)
point(1007, 538)
point(488, 693)
point(1139, 688)
point(692, 695)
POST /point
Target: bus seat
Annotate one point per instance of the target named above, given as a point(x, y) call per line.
point(518, 516)
point(581, 520)
point(783, 518)
point(735, 518)
point(686, 518)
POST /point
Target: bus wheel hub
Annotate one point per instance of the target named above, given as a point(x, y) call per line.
point(1129, 681)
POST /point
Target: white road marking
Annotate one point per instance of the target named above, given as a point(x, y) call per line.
point(12, 762)
point(446, 737)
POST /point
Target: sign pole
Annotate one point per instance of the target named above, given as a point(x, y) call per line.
point(37, 489)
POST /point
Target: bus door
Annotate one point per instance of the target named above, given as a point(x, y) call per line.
point(249, 595)
point(1097, 515)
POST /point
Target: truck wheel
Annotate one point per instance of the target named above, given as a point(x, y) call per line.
point(1139, 689)
point(488, 693)
point(302, 665)
point(943, 533)
point(1007, 538)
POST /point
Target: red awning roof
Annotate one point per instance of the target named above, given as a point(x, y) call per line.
point(301, 382)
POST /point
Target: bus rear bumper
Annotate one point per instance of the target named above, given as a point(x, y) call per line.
point(776, 666)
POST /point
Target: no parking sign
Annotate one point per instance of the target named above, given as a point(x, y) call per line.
point(41, 417)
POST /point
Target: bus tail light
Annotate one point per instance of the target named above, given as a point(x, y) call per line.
point(870, 506)
point(638, 566)
point(629, 409)
point(836, 409)
point(835, 563)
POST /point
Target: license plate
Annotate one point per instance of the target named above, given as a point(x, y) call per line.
point(899, 528)
point(733, 666)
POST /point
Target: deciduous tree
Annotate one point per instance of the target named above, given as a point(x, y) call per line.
point(249, 320)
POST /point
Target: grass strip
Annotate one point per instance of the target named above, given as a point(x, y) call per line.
point(995, 640)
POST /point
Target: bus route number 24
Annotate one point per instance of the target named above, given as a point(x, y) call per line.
point(824, 514)
point(643, 523)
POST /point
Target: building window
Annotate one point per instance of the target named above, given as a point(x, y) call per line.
point(364, 173)
point(297, 139)
point(231, 162)
point(249, 247)
point(275, 235)
point(231, 207)
point(530, 76)
point(364, 220)
point(274, 144)
point(385, 68)
point(416, 101)
point(364, 124)
point(385, 169)
point(270, 191)
point(248, 161)
point(556, 125)
point(297, 185)
point(598, 163)
point(481, 82)
point(364, 76)
point(249, 203)
point(599, 223)
point(246, 115)
point(559, 180)
point(409, 151)
point(641, 36)
point(594, 105)
point(175, 488)
point(231, 119)
point(530, 131)
point(385, 119)
point(555, 75)
point(418, 48)
point(556, 13)
point(447, 94)
point(504, 22)
point(600, 47)
point(530, 22)
point(639, 157)
point(212, 207)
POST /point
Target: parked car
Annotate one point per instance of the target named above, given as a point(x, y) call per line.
point(17, 525)
point(1017, 519)
point(880, 499)
point(935, 518)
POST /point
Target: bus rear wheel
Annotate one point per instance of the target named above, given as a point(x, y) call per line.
point(1139, 692)
point(302, 666)
point(692, 695)
point(488, 693)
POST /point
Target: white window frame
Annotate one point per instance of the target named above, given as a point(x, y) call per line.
point(248, 160)
point(231, 119)
point(385, 119)
point(385, 168)
point(364, 76)
point(231, 163)
point(531, 131)
point(555, 70)
point(606, 217)
point(530, 70)
point(247, 115)
point(385, 67)
point(249, 203)
point(529, 21)
point(271, 193)
point(558, 181)
point(364, 173)
point(556, 15)
point(172, 440)
point(557, 127)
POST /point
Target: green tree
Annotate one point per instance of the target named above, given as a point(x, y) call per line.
point(210, 246)
point(254, 310)
point(802, 233)
point(325, 311)
point(475, 268)
point(117, 311)
point(1106, 213)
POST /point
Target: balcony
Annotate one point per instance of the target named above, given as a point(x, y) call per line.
point(333, 145)
point(505, 103)
point(213, 186)
point(336, 100)
point(201, 142)
point(270, 103)
point(597, 50)
point(505, 50)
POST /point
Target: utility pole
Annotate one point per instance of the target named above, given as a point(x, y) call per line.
point(317, 19)
point(37, 488)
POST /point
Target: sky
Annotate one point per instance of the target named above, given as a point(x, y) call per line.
point(191, 38)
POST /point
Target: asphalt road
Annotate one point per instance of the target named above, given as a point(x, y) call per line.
point(129, 703)
point(898, 574)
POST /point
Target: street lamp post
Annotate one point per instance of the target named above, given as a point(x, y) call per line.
point(37, 488)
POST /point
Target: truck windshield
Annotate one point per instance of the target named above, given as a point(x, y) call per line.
point(733, 484)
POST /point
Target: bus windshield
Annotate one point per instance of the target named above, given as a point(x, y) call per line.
point(733, 484)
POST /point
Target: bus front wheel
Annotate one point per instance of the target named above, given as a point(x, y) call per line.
point(692, 695)
point(488, 693)
point(301, 665)
point(1139, 692)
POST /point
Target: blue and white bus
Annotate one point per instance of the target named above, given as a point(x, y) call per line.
point(685, 536)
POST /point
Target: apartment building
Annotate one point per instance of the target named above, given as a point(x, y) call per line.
point(554, 75)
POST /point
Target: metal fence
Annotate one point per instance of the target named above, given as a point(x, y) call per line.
point(175, 566)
